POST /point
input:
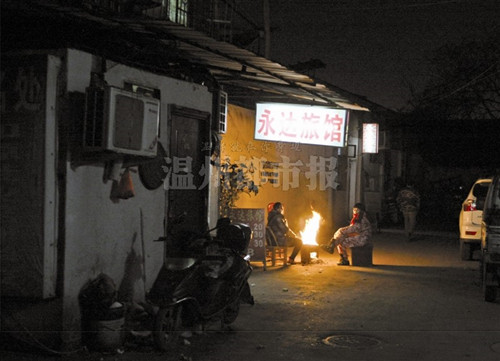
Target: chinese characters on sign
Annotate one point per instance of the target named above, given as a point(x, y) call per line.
point(300, 124)
point(255, 218)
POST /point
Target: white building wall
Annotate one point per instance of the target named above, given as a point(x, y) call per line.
point(101, 233)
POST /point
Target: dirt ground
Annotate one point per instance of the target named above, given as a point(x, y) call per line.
point(418, 302)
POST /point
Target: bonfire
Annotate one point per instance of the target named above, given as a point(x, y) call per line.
point(308, 236)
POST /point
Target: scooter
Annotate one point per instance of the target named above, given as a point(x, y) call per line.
point(206, 283)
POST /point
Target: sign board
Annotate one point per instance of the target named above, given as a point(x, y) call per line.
point(28, 260)
point(300, 124)
point(256, 219)
point(370, 137)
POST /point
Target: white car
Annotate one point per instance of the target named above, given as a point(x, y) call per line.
point(470, 218)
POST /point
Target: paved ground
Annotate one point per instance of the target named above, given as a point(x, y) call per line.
point(418, 302)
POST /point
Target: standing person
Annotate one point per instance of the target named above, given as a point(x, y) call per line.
point(358, 233)
point(284, 235)
point(409, 203)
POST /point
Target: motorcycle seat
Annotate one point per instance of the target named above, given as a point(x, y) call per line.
point(179, 263)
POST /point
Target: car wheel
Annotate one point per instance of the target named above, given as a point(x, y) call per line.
point(488, 272)
point(465, 251)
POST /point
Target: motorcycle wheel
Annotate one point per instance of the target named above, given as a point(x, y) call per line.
point(167, 327)
point(231, 312)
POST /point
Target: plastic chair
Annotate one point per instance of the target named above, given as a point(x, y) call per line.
point(274, 251)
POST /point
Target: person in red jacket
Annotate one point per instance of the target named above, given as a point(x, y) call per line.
point(356, 234)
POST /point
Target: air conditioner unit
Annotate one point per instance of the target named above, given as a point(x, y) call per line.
point(120, 121)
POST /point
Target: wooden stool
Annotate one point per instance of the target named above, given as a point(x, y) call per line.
point(362, 256)
point(274, 251)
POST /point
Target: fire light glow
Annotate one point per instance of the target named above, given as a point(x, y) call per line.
point(310, 232)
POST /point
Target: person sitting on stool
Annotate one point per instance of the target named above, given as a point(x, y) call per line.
point(284, 235)
point(357, 234)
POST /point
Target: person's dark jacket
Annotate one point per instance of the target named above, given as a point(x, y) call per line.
point(279, 225)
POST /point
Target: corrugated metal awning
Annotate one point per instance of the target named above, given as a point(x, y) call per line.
point(246, 75)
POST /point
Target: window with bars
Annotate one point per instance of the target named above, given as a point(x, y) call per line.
point(222, 110)
point(178, 11)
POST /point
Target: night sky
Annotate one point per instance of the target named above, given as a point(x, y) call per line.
point(374, 48)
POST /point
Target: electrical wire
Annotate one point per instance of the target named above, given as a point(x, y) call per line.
point(476, 79)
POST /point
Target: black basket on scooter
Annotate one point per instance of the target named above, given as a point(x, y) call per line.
point(235, 236)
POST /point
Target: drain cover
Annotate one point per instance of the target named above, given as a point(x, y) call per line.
point(351, 341)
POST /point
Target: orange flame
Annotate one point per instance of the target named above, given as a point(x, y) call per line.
point(310, 232)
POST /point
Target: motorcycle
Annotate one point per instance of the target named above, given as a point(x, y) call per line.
point(204, 281)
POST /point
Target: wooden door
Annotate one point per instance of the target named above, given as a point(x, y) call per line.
point(189, 151)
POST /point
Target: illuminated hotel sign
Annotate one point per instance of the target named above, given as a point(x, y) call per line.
point(370, 138)
point(300, 124)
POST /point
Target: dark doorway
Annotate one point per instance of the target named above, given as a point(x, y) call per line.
point(189, 149)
